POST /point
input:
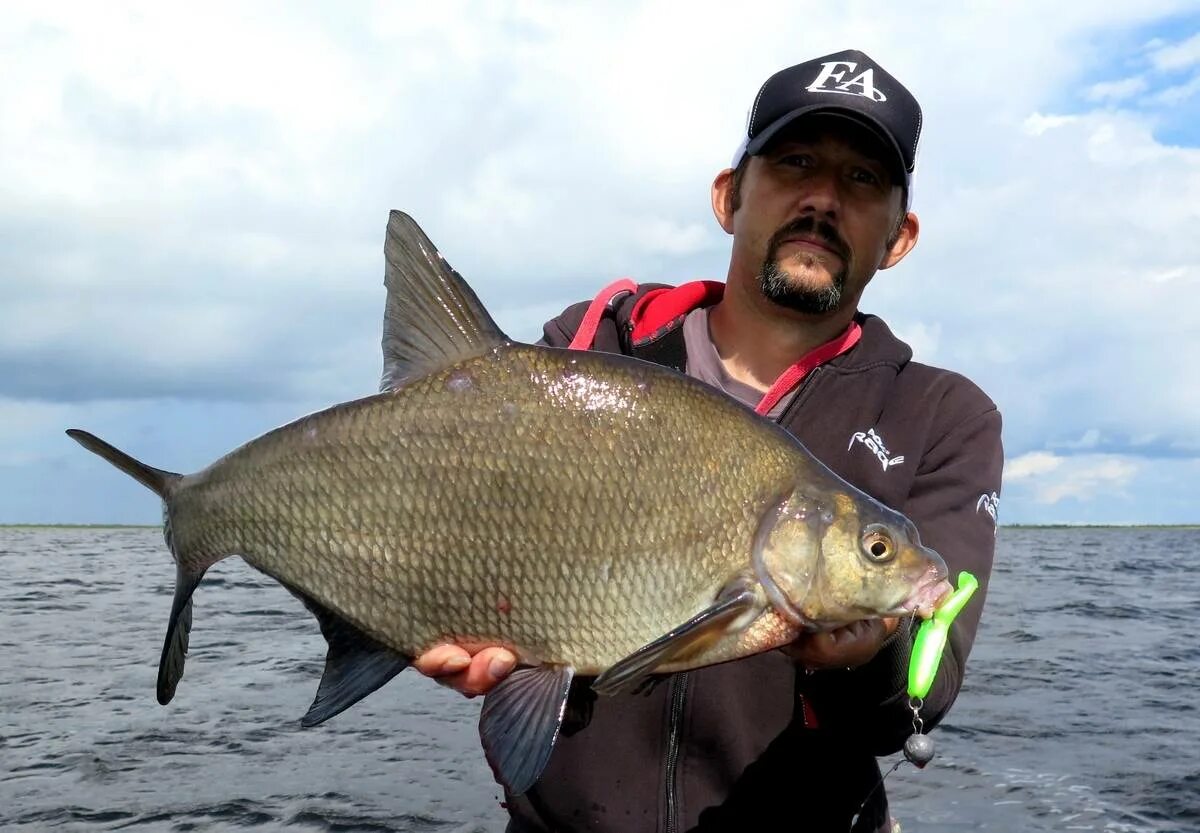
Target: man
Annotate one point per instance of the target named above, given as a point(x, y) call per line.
point(816, 202)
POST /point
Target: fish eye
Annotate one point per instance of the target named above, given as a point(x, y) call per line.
point(877, 544)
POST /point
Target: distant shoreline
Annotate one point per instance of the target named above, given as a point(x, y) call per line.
point(1101, 526)
point(80, 526)
point(1002, 526)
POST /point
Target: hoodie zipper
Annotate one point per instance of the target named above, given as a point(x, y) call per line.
point(678, 689)
point(795, 403)
point(678, 684)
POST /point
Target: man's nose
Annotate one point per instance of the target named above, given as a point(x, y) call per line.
point(821, 195)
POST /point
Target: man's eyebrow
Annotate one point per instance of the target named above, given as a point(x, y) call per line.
point(788, 144)
point(789, 149)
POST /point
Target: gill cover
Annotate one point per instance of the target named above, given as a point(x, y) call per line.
point(786, 554)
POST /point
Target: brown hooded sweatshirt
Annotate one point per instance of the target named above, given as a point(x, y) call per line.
point(760, 744)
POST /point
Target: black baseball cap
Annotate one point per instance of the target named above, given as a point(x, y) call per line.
point(848, 84)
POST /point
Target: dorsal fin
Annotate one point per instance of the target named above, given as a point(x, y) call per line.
point(432, 318)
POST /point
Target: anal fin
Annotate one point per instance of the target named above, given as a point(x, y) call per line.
point(520, 722)
point(355, 664)
point(689, 639)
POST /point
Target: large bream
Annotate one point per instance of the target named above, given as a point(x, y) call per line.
point(477, 500)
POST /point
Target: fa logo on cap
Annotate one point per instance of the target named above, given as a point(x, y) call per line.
point(830, 80)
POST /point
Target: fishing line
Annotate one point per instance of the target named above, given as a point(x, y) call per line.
point(882, 778)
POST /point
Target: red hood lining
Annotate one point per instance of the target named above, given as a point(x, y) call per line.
point(659, 309)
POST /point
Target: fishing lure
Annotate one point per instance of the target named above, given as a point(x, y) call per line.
point(926, 657)
point(932, 635)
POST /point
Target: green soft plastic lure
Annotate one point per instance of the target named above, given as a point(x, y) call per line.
point(932, 635)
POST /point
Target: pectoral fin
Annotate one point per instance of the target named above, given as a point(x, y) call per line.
point(688, 639)
point(355, 665)
point(520, 721)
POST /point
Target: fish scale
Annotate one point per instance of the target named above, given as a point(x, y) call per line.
point(596, 514)
point(474, 512)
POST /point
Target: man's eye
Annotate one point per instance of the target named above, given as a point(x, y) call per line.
point(796, 160)
point(865, 176)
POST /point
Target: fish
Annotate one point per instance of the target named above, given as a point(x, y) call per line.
point(598, 515)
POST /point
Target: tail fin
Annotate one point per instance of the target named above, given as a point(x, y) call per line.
point(161, 482)
point(164, 483)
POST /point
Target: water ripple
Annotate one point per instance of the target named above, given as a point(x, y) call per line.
point(1078, 713)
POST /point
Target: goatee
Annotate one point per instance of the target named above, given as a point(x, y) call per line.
point(780, 287)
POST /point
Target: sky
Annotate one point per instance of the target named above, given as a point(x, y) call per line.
point(193, 199)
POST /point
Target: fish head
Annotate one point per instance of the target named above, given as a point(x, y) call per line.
point(835, 557)
point(873, 564)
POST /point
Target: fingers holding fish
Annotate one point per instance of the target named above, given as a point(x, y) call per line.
point(470, 674)
point(846, 647)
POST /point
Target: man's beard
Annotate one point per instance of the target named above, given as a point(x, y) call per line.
point(780, 287)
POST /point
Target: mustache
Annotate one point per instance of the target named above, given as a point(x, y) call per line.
point(812, 227)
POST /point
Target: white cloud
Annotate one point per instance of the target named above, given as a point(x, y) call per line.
point(1064, 235)
point(1113, 91)
point(1052, 479)
point(922, 336)
point(96, 94)
point(1176, 56)
point(659, 235)
point(1173, 96)
point(1088, 478)
point(1089, 439)
point(1168, 275)
point(1033, 464)
point(1038, 123)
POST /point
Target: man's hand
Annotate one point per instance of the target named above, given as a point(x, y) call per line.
point(466, 673)
point(846, 647)
point(477, 674)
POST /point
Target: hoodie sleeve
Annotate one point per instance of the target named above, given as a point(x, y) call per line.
point(953, 503)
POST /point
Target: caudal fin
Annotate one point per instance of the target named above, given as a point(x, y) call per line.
point(161, 482)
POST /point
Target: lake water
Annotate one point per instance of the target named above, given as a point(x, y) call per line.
point(1079, 710)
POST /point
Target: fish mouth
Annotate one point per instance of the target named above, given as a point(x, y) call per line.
point(929, 594)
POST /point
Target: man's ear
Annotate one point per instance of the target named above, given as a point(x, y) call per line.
point(722, 199)
point(905, 239)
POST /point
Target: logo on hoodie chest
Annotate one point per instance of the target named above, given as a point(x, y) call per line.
point(872, 442)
